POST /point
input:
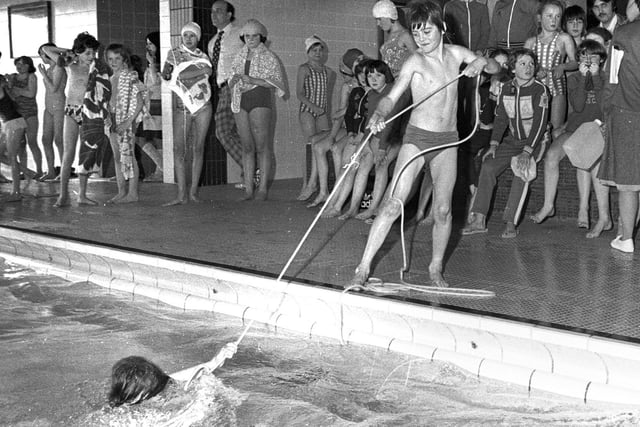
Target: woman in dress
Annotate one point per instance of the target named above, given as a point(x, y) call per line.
point(256, 72)
point(187, 70)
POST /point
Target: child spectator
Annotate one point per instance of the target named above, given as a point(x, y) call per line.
point(585, 94)
point(574, 23)
point(522, 108)
point(55, 80)
point(95, 126)
point(399, 43)
point(556, 53)
point(127, 101)
point(314, 84)
point(77, 63)
point(488, 93)
point(351, 95)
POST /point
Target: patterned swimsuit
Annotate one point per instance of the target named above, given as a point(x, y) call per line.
point(315, 89)
point(549, 57)
point(394, 54)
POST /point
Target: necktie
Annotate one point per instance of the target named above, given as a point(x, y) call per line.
point(215, 54)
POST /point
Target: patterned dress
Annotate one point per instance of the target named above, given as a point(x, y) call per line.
point(394, 54)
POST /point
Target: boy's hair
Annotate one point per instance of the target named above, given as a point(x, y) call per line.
point(134, 379)
point(499, 51)
point(83, 42)
point(381, 67)
point(591, 47)
point(422, 12)
point(574, 12)
point(517, 53)
point(27, 61)
point(602, 32)
point(121, 50)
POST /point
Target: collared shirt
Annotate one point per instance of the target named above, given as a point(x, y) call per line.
point(230, 46)
point(615, 22)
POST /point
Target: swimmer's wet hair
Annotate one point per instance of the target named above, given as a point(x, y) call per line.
point(422, 12)
point(134, 379)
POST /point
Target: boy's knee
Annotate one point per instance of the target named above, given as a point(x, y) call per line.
point(391, 207)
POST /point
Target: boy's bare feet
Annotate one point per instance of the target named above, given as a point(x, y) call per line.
point(437, 279)
point(129, 198)
point(366, 214)
point(359, 279)
point(116, 198)
point(178, 201)
point(510, 231)
point(544, 213)
point(348, 214)
point(306, 193)
point(601, 225)
point(62, 201)
point(320, 198)
point(330, 212)
point(84, 200)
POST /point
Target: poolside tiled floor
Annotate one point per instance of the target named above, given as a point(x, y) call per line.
point(549, 275)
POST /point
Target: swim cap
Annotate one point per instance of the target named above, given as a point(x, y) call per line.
point(253, 26)
point(385, 9)
point(349, 58)
point(313, 40)
point(192, 27)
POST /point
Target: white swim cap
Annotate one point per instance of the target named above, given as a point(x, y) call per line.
point(385, 9)
point(311, 41)
point(192, 27)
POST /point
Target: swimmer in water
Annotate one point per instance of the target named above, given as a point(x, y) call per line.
point(135, 379)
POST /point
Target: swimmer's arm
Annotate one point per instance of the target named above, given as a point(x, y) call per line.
point(476, 63)
point(345, 90)
point(59, 74)
point(225, 353)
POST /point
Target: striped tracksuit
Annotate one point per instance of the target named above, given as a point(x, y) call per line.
point(524, 111)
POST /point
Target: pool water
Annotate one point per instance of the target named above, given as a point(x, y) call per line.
point(58, 341)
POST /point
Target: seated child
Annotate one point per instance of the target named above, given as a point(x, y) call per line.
point(523, 106)
point(381, 150)
point(585, 93)
point(335, 139)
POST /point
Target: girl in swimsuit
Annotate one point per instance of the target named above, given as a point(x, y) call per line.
point(556, 52)
point(314, 84)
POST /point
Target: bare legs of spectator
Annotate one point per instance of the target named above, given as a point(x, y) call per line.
point(254, 130)
point(52, 134)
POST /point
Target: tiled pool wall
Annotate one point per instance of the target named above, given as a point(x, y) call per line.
point(584, 367)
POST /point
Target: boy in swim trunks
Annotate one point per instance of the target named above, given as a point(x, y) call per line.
point(77, 62)
point(432, 123)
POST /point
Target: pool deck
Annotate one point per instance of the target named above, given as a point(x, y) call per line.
point(550, 275)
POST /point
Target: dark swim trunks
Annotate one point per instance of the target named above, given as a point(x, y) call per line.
point(424, 139)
